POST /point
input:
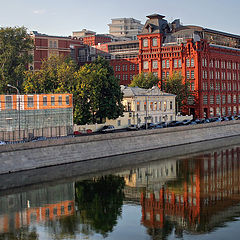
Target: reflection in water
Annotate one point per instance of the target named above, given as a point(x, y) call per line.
point(89, 206)
point(99, 203)
point(191, 195)
point(202, 195)
point(20, 213)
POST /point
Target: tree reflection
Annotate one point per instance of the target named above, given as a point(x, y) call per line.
point(21, 234)
point(100, 202)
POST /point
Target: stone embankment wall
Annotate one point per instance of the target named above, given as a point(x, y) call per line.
point(40, 154)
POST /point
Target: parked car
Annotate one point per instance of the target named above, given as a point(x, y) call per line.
point(215, 119)
point(132, 127)
point(39, 139)
point(2, 143)
point(237, 117)
point(205, 120)
point(149, 126)
point(174, 123)
point(193, 122)
point(107, 128)
point(231, 118)
point(186, 122)
point(76, 133)
point(225, 119)
point(160, 125)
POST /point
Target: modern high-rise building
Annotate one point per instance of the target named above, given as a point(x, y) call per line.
point(125, 27)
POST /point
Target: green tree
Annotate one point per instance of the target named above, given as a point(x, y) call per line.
point(99, 92)
point(96, 92)
point(175, 85)
point(55, 76)
point(144, 81)
point(15, 45)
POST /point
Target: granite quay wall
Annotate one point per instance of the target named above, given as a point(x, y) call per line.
point(168, 142)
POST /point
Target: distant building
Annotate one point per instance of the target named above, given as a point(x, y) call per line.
point(46, 46)
point(83, 33)
point(46, 115)
point(125, 27)
point(90, 38)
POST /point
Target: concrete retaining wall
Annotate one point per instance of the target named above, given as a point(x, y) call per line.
point(32, 155)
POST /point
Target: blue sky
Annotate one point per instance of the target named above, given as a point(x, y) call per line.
point(58, 17)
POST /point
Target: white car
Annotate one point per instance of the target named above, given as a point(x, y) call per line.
point(132, 127)
point(107, 128)
point(2, 143)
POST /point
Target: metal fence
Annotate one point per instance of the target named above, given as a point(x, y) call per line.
point(30, 134)
point(29, 124)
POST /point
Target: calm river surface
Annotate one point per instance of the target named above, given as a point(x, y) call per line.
point(189, 197)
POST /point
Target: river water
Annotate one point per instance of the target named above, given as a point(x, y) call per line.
point(188, 197)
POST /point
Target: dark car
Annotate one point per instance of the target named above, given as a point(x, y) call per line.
point(225, 119)
point(215, 119)
point(186, 122)
point(231, 118)
point(39, 139)
point(174, 124)
point(193, 123)
point(161, 125)
point(237, 117)
point(149, 126)
point(107, 128)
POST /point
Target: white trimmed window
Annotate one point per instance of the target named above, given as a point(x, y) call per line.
point(155, 64)
point(145, 42)
point(145, 65)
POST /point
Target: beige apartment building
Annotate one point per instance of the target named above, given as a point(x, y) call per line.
point(125, 27)
point(148, 105)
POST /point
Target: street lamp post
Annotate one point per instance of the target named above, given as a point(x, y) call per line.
point(146, 113)
point(19, 124)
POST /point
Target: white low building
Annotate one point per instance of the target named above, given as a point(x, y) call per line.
point(148, 105)
point(141, 106)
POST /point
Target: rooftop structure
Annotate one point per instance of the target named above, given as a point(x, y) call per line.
point(83, 33)
point(125, 27)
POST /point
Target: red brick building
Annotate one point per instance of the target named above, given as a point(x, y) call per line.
point(209, 59)
point(46, 46)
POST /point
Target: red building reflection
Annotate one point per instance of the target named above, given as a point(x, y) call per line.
point(204, 194)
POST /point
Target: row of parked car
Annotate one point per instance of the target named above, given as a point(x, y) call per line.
point(133, 127)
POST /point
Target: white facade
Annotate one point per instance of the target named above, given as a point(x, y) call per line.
point(149, 105)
